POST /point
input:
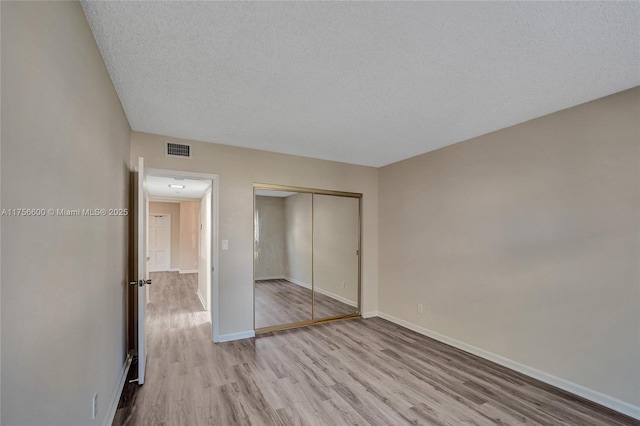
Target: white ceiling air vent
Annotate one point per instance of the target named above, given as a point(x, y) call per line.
point(178, 150)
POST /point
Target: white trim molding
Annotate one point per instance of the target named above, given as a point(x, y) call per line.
point(204, 304)
point(337, 297)
point(188, 271)
point(237, 336)
point(574, 388)
point(370, 314)
point(319, 290)
point(115, 398)
point(298, 282)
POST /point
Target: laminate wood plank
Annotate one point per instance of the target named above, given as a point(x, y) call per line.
point(355, 372)
point(343, 413)
point(305, 407)
point(279, 302)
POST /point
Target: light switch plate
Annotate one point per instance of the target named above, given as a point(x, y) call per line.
point(225, 244)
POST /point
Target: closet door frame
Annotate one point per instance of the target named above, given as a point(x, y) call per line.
point(312, 191)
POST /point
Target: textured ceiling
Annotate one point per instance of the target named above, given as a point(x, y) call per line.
point(158, 186)
point(363, 83)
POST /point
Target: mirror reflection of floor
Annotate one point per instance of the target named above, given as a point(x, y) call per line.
point(282, 302)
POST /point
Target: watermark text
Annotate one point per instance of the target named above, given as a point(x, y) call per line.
point(62, 212)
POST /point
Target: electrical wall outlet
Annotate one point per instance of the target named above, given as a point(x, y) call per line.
point(420, 308)
point(94, 406)
point(342, 284)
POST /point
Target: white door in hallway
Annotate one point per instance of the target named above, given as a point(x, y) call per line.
point(159, 242)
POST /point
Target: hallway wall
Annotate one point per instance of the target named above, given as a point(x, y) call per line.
point(189, 224)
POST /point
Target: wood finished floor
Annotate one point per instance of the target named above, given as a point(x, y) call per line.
point(282, 302)
point(357, 372)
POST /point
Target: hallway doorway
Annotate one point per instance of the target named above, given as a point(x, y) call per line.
point(191, 200)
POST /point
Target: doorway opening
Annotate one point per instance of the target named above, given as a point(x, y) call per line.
point(181, 237)
point(183, 306)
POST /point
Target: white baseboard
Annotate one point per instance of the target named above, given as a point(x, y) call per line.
point(279, 277)
point(326, 293)
point(188, 271)
point(298, 282)
point(204, 305)
point(574, 388)
point(236, 336)
point(115, 398)
point(337, 297)
point(174, 270)
point(370, 314)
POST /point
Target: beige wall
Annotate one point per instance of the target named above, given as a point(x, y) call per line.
point(271, 258)
point(524, 243)
point(174, 210)
point(189, 235)
point(65, 144)
point(297, 209)
point(238, 169)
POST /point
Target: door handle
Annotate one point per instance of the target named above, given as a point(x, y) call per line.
point(140, 283)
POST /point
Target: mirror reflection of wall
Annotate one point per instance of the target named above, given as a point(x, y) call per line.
point(282, 272)
point(307, 261)
point(336, 230)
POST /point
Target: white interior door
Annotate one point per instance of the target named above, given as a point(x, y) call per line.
point(143, 276)
point(159, 242)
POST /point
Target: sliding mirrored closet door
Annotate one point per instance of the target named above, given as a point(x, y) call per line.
point(306, 256)
point(336, 249)
point(282, 258)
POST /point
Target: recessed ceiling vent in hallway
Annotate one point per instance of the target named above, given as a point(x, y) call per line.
point(178, 150)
